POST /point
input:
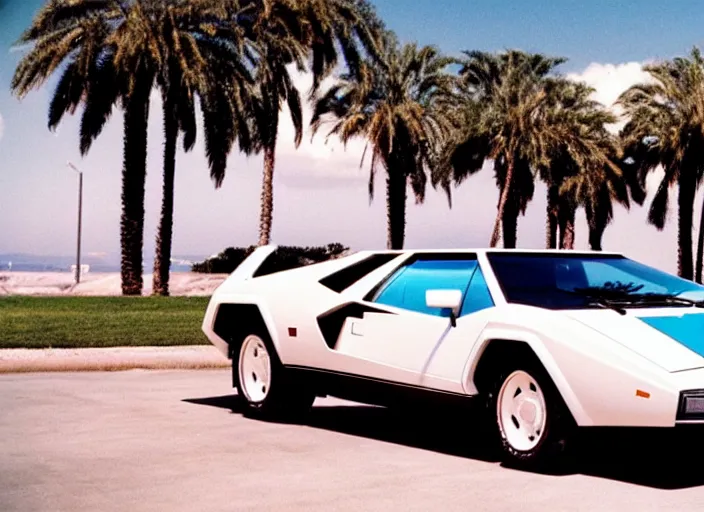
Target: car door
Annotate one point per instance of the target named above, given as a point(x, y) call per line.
point(399, 338)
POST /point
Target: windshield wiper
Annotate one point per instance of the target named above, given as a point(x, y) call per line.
point(594, 299)
point(605, 303)
point(615, 300)
point(660, 298)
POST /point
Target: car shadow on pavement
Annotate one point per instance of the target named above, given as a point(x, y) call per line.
point(382, 424)
point(661, 459)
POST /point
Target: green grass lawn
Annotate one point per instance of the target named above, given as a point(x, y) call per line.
point(75, 322)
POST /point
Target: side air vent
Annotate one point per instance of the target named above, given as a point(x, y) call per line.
point(331, 323)
point(343, 279)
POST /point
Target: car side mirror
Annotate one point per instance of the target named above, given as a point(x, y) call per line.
point(445, 299)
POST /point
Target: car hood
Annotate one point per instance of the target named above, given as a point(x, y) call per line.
point(672, 338)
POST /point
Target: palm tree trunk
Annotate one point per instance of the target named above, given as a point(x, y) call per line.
point(267, 199)
point(700, 248)
point(162, 259)
point(551, 223)
point(134, 172)
point(509, 226)
point(568, 239)
point(396, 209)
point(595, 237)
point(596, 228)
point(509, 222)
point(686, 194)
point(566, 220)
point(502, 203)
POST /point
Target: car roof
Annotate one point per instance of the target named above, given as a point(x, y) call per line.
point(485, 250)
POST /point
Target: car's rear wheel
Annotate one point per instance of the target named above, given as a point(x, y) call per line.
point(532, 421)
point(268, 390)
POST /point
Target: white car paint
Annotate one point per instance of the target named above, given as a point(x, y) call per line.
point(611, 370)
point(642, 339)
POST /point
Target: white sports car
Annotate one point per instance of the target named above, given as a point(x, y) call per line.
point(545, 341)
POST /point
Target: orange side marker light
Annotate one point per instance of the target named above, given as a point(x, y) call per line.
point(642, 394)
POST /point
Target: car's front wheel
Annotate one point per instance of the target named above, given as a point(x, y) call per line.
point(266, 387)
point(533, 422)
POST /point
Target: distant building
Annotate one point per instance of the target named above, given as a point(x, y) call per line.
point(84, 269)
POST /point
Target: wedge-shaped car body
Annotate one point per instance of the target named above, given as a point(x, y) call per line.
point(543, 341)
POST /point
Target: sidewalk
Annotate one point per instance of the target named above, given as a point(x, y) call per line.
point(111, 359)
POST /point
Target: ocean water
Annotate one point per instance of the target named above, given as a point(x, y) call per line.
point(30, 263)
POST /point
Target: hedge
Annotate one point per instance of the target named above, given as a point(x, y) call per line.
point(284, 258)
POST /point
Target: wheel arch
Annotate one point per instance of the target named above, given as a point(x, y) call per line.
point(490, 353)
point(229, 320)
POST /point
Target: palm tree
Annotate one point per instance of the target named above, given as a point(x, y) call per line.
point(349, 27)
point(507, 99)
point(114, 53)
point(590, 175)
point(178, 112)
point(106, 48)
point(398, 106)
point(666, 129)
point(561, 208)
point(278, 30)
point(595, 188)
point(287, 32)
point(182, 74)
point(216, 69)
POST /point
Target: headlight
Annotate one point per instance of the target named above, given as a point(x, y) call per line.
point(691, 405)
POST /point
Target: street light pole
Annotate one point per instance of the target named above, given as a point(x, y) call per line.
point(80, 215)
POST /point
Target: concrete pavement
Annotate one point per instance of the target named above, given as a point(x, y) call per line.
point(176, 441)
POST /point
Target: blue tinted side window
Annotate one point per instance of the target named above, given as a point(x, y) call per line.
point(478, 296)
point(407, 288)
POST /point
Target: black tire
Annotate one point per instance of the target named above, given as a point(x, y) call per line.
point(550, 453)
point(286, 399)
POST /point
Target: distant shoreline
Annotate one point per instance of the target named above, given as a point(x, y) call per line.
point(61, 283)
point(37, 267)
point(97, 262)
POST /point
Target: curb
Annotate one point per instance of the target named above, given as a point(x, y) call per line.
point(199, 357)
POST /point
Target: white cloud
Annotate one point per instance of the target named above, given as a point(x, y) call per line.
point(317, 156)
point(610, 81)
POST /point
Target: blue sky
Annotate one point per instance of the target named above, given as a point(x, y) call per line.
point(320, 192)
point(583, 31)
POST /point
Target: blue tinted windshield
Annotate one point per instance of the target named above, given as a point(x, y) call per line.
point(572, 281)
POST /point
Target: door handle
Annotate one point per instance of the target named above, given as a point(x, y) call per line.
point(356, 329)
